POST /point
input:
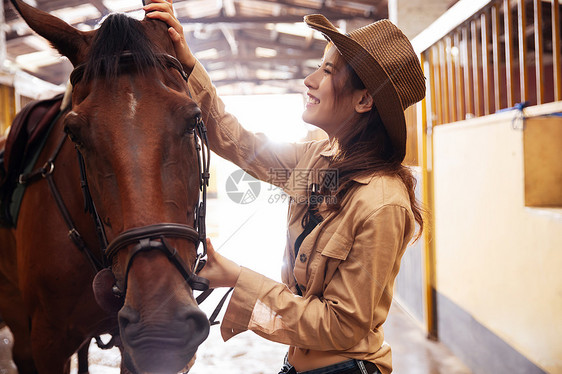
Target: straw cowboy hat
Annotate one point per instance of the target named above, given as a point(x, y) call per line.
point(384, 59)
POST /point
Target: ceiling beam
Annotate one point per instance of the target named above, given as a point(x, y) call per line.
point(101, 7)
point(280, 58)
point(262, 19)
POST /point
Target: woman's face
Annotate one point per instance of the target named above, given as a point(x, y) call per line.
point(322, 109)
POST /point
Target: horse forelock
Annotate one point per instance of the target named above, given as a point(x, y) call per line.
point(118, 36)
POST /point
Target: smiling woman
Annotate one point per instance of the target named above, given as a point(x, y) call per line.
point(352, 208)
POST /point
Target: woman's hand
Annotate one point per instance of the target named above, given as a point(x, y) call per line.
point(164, 11)
point(219, 270)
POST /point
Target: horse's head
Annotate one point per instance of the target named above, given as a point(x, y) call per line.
point(135, 125)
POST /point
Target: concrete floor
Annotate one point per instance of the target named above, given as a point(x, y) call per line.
point(412, 352)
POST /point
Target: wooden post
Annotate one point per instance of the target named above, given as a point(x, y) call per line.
point(486, 86)
point(2, 36)
point(510, 78)
point(468, 89)
point(496, 55)
point(556, 50)
point(522, 50)
point(451, 80)
point(461, 114)
point(538, 51)
point(475, 67)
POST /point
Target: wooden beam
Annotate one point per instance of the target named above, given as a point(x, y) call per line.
point(508, 34)
point(556, 51)
point(262, 19)
point(475, 67)
point(538, 51)
point(2, 36)
point(100, 6)
point(280, 58)
point(522, 50)
point(486, 84)
point(496, 55)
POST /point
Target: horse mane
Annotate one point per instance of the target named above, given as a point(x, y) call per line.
point(118, 36)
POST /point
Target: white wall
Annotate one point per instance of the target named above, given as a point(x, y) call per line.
point(497, 259)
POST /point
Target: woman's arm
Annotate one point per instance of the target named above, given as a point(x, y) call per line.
point(343, 313)
point(254, 153)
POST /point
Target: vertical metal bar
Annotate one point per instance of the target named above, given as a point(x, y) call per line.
point(437, 103)
point(3, 51)
point(556, 65)
point(444, 82)
point(496, 55)
point(458, 77)
point(468, 89)
point(486, 87)
point(452, 93)
point(427, 197)
point(475, 67)
point(510, 77)
point(539, 68)
point(522, 50)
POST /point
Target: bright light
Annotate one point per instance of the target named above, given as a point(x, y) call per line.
point(208, 54)
point(277, 116)
point(77, 14)
point(265, 52)
point(35, 60)
point(455, 51)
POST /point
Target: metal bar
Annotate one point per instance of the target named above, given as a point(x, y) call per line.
point(486, 86)
point(522, 50)
point(496, 55)
point(437, 103)
point(539, 68)
point(556, 65)
point(475, 67)
point(427, 198)
point(444, 83)
point(510, 77)
point(459, 77)
point(452, 94)
point(468, 89)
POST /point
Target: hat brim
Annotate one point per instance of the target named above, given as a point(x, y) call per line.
point(374, 77)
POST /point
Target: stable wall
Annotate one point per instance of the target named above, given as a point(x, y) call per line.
point(498, 263)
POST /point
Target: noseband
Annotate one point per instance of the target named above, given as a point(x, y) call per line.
point(153, 237)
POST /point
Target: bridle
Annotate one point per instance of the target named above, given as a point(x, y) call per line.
point(153, 237)
point(146, 238)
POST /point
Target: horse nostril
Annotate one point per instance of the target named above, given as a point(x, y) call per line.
point(196, 322)
point(128, 315)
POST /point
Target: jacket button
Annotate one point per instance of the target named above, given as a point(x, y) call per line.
point(302, 257)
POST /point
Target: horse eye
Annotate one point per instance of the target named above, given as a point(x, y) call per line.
point(192, 123)
point(72, 136)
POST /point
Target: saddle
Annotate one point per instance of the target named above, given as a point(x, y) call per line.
point(23, 145)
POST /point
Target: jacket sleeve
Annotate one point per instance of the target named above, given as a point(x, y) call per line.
point(343, 315)
point(253, 152)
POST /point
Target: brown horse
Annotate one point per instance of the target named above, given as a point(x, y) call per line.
point(135, 129)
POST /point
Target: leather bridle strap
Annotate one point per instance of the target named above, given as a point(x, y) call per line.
point(135, 235)
point(153, 237)
point(46, 172)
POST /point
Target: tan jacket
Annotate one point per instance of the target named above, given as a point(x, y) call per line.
point(346, 267)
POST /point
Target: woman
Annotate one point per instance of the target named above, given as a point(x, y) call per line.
point(352, 210)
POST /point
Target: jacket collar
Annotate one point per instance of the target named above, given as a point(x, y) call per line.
point(328, 151)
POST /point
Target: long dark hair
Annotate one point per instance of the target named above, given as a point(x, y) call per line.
point(366, 149)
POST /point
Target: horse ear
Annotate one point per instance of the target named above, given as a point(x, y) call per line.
point(69, 41)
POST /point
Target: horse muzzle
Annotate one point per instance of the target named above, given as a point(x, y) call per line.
point(164, 347)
